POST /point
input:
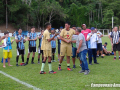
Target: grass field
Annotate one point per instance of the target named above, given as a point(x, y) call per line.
point(107, 72)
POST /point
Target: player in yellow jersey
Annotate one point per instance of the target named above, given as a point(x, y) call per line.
point(66, 46)
point(47, 49)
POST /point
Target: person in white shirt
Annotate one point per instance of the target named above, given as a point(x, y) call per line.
point(99, 43)
point(92, 45)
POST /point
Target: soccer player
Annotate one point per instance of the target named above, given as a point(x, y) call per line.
point(92, 45)
point(47, 49)
point(32, 37)
point(53, 44)
point(20, 40)
point(39, 47)
point(115, 39)
point(7, 53)
point(99, 43)
point(59, 43)
point(66, 46)
point(74, 49)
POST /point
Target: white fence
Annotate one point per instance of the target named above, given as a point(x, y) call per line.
point(104, 31)
point(2, 34)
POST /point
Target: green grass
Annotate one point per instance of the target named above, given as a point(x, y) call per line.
point(106, 72)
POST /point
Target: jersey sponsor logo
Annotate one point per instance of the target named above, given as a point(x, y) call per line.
point(68, 37)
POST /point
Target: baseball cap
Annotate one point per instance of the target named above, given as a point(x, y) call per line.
point(52, 28)
point(92, 28)
point(83, 25)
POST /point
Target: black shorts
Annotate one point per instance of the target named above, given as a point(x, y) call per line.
point(59, 48)
point(116, 47)
point(53, 50)
point(20, 52)
point(40, 51)
point(99, 47)
point(32, 49)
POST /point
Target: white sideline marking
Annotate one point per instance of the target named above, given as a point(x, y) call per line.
point(21, 82)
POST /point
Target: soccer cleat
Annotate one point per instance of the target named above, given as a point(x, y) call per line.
point(52, 72)
point(114, 58)
point(22, 64)
point(38, 62)
point(59, 68)
point(97, 56)
point(74, 66)
point(32, 63)
point(69, 69)
point(90, 63)
point(119, 58)
point(102, 57)
point(26, 63)
point(17, 65)
point(96, 63)
point(82, 71)
point(42, 72)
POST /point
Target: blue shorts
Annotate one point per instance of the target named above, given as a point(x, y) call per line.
point(74, 52)
point(99, 47)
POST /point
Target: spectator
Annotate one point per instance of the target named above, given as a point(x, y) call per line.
point(99, 43)
point(82, 51)
point(92, 45)
point(115, 38)
point(105, 49)
point(85, 32)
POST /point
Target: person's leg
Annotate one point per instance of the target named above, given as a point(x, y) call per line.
point(58, 52)
point(74, 55)
point(4, 62)
point(114, 49)
point(29, 51)
point(5, 55)
point(9, 56)
point(17, 58)
point(38, 57)
point(22, 58)
point(94, 55)
point(98, 47)
point(33, 58)
point(90, 55)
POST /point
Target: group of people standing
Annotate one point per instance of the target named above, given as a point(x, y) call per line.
point(72, 42)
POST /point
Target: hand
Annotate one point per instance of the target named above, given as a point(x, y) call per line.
point(68, 41)
point(21, 38)
point(13, 40)
point(91, 34)
point(77, 51)
point(56, 34)
point(117, 43)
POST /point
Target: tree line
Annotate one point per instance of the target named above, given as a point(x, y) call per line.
point(24, 13)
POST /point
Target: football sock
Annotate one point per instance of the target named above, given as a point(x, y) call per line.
point(68, 65)
point(115, 56)
point(119, 56)
point(50, 66)
point(17, 59)
point(43, 65)
point(59, 65)
point(52, 57)
point(32, 59)
point(27, 60)
point(97, 55)
point(38, 59)
point(22, 59)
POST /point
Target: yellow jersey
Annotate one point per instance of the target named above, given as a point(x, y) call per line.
point(45, 44)
point(67, 35)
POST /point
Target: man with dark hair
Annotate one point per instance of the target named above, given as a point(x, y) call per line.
point(105, 49)
point(46, 47)
point(66, 47)
point(82, 51)
point(32, 37)
point(115, 39)
point(20, 40)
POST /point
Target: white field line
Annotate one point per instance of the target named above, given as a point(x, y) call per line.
point(21, 82)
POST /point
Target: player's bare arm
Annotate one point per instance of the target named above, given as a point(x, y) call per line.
point(67, 41)
point(40, 36)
